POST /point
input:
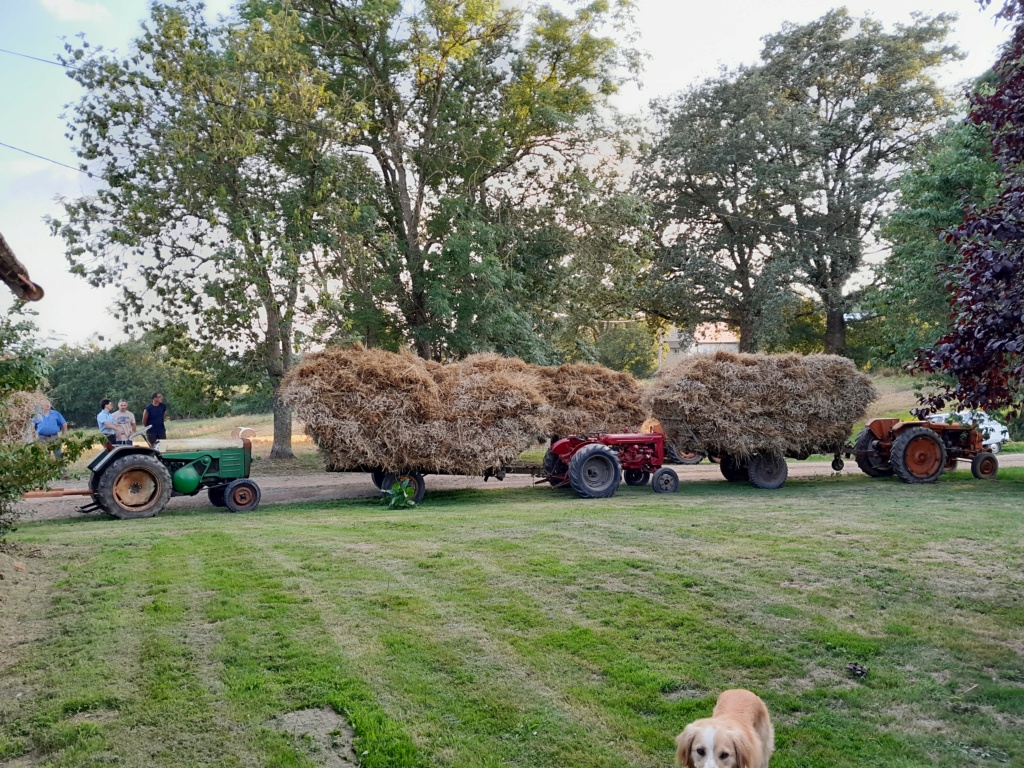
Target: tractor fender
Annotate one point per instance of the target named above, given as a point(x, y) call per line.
point(107, 457)
point(566, 447)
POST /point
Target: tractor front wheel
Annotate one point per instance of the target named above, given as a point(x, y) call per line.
point(136, 485)
point(984, 466)
point(918, 455)
point(767, 472)
point(867, 458)
point(636, 477)
point(216, 495)
point(734, 470)
point(241, 495)
point(594, 471)
point(665, 480)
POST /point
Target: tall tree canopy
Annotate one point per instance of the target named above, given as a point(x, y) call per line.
point(983, 351)
point(787, 187)
point(364, 169)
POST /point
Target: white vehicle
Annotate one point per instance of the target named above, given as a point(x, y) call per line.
point(993, 433)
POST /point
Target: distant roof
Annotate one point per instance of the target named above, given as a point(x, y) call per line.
point(15, 276)
point(714, 333)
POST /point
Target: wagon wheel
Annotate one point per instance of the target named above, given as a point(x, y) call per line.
point(594, 471)
point(918, 456)
point(870, 465)
point(665, 480)
point(984, 466)
point(377, 478)
point(137, 485)
point(690, 457)
point(734, 470)
point(636, 477)
point(241, 495)
point(554, 468)
point(767, 472)
point(415, 480)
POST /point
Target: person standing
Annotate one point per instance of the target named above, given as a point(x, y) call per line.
point(50, 426)
point(123, 422)
point(153, 417)
point(105, 421)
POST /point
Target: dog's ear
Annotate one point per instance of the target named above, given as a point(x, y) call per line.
point(744, 751)
point(684, 746)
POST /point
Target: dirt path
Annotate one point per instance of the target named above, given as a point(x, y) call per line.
point(324, 486)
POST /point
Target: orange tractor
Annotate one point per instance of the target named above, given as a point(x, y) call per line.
point(920, 451)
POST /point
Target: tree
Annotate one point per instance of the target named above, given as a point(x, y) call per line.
point(478, 119)
point(952, 170)
point(860, 98)
point(222, 207)
point(25, 466)
point(629, 347)
point(983, 350)
point(717, 189)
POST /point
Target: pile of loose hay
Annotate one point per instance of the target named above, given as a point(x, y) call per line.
point(741, 404)
point(16, 419)
point(371, 408)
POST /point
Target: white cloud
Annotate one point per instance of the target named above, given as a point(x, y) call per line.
point(76, 10)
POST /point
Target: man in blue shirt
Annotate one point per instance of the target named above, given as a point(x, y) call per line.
point(50, 426)
point(105, 421)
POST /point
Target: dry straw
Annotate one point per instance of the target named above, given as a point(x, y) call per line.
point(368, 408)
point(16, 420)
point(780, 405)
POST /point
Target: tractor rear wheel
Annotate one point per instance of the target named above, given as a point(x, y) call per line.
point(136, 485)
point(415, 479)
point(918, 455)
point(734, 470)
point(870, 465)
point(555, 470)
point(665, 480)
point(984, 466)
point(594, 471)
point(767, 472)
point(636, 477)
point(216, 495)
point(241, 495)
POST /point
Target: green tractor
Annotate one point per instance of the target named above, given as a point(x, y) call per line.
point(130, 481)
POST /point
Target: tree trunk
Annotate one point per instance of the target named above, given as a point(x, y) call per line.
point(747, 342)
point(282, 447)
point(835, 332)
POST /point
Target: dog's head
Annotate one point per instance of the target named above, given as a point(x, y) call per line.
point(708, 744)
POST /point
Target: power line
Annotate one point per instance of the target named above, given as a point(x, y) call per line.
point(47, 159)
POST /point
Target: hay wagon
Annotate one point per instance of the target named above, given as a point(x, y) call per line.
point(592, 466)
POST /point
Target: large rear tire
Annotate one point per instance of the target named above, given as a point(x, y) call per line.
point(734, 470)
point(872, 466)
point(767, 472)
point(984, 466)
point(134, 486)
point(918, 456)
point(595, 472)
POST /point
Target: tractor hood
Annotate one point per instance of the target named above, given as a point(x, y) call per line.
point(198, 444)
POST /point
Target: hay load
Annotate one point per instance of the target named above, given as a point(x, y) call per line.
point(16, 421)
point(777, 405)
point(369, 408)
point(583, 398)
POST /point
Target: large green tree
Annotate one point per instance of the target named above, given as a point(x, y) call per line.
point(221, 206)
point(478, 119)
point(860, 98)
point(717, 188)
point(949, 173)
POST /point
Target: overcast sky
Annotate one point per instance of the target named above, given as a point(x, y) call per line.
point(686, 40)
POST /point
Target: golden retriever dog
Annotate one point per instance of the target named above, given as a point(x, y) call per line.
point(738, 734)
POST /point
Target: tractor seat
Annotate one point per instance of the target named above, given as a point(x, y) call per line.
point(198, 444)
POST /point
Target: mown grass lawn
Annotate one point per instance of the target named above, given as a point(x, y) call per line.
point(529, 628)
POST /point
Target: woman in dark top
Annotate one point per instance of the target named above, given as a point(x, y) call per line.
point(153, 417)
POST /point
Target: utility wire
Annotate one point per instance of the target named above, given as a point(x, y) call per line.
point(47, 159)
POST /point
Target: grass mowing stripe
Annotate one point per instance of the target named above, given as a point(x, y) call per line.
point(276, 654)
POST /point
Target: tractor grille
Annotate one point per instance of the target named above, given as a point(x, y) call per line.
point(231, 464)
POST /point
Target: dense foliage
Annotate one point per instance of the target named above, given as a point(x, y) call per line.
point(25, 466)
point(983, 351)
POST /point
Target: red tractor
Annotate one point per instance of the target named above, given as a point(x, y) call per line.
point(920, 451)
point(594, 466)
